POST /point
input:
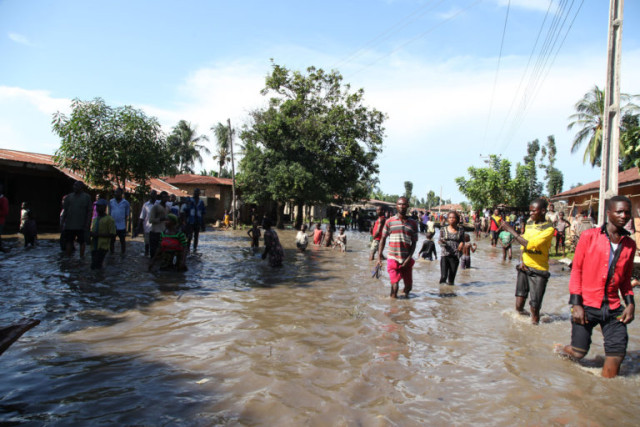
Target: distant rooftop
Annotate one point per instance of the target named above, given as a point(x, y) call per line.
point(194, 179)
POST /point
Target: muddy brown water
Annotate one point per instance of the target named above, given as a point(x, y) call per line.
point(317, 342)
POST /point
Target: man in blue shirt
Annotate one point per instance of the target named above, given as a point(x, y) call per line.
point(119, 210)
point(193, 211)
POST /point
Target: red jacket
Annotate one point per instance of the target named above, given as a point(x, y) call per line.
point(376, 230)
point(591, 266)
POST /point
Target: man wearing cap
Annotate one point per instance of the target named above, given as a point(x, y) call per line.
point(103, 230)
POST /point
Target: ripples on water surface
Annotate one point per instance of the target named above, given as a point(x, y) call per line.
point(317, 342)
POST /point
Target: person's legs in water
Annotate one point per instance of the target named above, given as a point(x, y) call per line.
point(444, 269)
point(454, 262)
point(196, 234)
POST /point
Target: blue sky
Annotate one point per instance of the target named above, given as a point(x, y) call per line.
point(433, 66)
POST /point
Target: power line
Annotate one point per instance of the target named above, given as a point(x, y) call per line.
point(546, 58)
point(419, 36)
point(495, 80)
point(387, 33)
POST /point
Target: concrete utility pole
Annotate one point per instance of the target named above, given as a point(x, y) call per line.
point(233, 177)
point(611, 119)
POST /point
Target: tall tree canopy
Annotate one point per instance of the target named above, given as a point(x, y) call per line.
point(186, 146)
point(109, 144)
point(408, 190)
point(316, 142)
point(222, 155)
point(589, 121)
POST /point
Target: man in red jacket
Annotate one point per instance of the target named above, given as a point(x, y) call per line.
point(602, 266)
point(4, 211)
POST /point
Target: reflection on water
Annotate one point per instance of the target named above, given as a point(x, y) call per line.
point(317, 342)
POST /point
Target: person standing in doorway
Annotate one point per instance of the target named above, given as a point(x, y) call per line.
point(402, 233)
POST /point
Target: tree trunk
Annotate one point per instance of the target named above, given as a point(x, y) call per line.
point(280, 216)
point(299, 216)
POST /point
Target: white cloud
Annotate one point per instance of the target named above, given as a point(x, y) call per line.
point(25, 119)
point(19, 38)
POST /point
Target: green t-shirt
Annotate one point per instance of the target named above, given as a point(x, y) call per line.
point(77, 208)
point(102, 225)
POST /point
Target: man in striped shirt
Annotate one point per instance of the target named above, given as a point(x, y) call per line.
point(403, 236)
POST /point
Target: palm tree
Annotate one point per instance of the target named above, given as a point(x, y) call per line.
point(589, 118)
point(223, 151)
point(186, 146)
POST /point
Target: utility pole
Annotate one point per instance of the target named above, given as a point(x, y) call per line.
point(233, 177)
point(611, 119)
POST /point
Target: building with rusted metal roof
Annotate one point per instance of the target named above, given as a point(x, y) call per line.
point(36, 178)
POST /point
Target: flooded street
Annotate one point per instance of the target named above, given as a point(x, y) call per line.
point(317, 342)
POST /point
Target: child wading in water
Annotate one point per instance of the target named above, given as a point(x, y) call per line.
point(272, 246)
point(318, 235)
point(172, 246)
point(341, 241)
point(328, 237)
point(254, 233)
point(102, 230)
point(302, 240)
point(505, 238)
point(428, 250)
point(466, 248)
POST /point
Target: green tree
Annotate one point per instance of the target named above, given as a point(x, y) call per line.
point(315, 143)
point(489, 186)
point(108, 145)
point(432, 199)
point(589, 121)
point(222, 155)
point(553, 176)
point(186, 146)
point(630, 141)
point(408, 189)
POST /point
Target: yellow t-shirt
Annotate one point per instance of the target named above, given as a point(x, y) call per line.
point(538, 236)
point(102, 225)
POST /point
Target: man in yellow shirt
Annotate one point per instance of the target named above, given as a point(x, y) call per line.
point(533, 271)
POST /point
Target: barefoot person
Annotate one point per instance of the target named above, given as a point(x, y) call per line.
point(403, 236)
point(602, 266)
point(533, 271)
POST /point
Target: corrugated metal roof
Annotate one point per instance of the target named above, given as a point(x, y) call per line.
point(46, 159)
point(193, 179)
point(628, 177)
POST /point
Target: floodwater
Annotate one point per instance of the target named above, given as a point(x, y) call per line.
point(317, 342)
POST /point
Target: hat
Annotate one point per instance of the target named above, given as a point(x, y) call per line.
point(173, 218)
point(101, 202)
